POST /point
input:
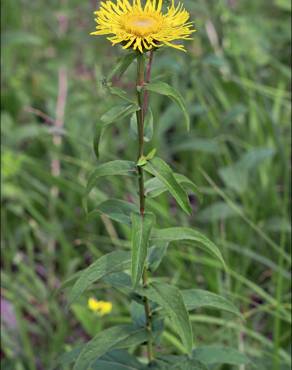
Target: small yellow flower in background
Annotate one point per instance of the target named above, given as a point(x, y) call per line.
point(143, 27)
point(100, 307)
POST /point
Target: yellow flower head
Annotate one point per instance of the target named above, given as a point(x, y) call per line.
point(143, 27)
point(100, 307)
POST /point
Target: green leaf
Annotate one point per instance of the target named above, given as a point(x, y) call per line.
point(216, 212)
point(236, 176)
point(155, 187)
point(187, 143)
point(116, 113)
point(188, 364)
point(139, 319)
point(117, 210)
point(120, 93)
point(145, 158)
point(113, 360)
point(105, 265)
point(197, 298)
point(163, 88)
point(138, 314)
point(68, 282)
point(210, 355)
point(119, 280)
point(89, 322)
point(254, 157)
point(171, 300)
point(122, 336)
point(158, 168)
point(148, 126)
point(117, 360)
point(142, 161)
point(118, 167)
point(278, 224)
point(97, 138)
point(172, 362)
point(156, 254)
point(68, 357)
point(141, 229)
point(151, 154)
point(186, 233)
point(122, 65)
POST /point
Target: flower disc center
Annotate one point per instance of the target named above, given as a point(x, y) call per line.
point(143, 22)
point(141, 25)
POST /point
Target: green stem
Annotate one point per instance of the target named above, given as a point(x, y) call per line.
point(140, 125)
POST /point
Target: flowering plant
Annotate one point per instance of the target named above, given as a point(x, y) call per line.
point(154, 301)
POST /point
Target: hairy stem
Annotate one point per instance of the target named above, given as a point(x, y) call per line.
point(140, 123)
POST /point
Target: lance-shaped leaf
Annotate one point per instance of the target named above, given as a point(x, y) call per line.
point(122, 336)
point(156, 254)
point(163, 88)
point(188, 364)
point(117, 210)
point(172, 362)
point(67, 283)
point(121, 94)
point(141, 230)
point(211, 355)
point(197, 298)
point(116, 113)
point(171, 300)
point(67, 358)
point(113, 262)
point(158, 168)
point(117, 360)
point(122, 65)
point(188, 234)
point(118, 167)
point(121, 281)
point(155, 187)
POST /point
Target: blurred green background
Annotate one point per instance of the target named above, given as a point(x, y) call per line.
point(235, 79)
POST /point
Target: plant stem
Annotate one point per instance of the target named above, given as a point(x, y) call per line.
point(148, 76)
point(140, 124)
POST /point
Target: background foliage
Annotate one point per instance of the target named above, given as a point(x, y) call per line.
point(235, 79)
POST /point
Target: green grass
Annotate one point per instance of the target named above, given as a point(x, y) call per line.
point(235, 79)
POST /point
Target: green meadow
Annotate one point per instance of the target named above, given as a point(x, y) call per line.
point(235, 79)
